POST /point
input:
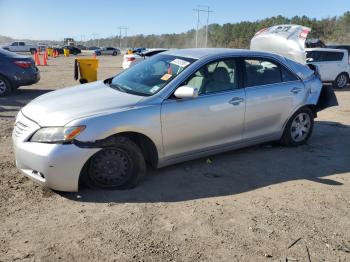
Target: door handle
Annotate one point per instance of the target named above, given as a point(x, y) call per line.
point(236, 101)
point(296, 90)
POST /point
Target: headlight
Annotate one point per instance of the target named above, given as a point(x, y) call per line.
point(56, 134)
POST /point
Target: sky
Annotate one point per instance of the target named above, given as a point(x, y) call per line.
point(83, 20)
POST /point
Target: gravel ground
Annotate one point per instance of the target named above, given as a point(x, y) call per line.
point(245, 205)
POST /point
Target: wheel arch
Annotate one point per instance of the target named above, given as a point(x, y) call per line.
point(146, 145)
point(12, 84)
point(312, 107)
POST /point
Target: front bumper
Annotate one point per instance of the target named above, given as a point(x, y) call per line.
point(55, 166)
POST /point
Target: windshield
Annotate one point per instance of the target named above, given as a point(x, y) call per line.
point(151, 75)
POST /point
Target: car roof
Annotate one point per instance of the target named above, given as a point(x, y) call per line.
point(325, 49)
point(198, 53)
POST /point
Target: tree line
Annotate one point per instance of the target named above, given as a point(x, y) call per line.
point(237, 35)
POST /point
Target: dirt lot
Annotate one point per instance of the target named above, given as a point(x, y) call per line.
point(246, 205)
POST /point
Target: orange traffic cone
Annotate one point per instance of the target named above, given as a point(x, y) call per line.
point(34, 56)
point(46, 55)
point(39, 50)
point(38, 59)
point(45, 60)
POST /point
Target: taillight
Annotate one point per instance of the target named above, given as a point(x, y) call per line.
point(304, 33)
point(130, 59)
point(23, 64)
point(261, 31)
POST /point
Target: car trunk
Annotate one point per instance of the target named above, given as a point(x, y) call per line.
point(289, 41)
point(286, 40)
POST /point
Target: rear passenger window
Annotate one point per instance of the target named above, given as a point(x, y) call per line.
point(261, 72)
point(333, 56)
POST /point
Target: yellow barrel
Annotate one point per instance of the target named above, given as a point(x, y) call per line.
point(66, 51)
point(86, 68)
point(49, 51)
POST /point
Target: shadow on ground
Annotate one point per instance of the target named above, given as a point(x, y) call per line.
point(240, 171)
point(20, 98)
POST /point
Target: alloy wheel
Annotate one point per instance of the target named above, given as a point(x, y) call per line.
point(300, 127)
point(3, 86)
point(342, 81)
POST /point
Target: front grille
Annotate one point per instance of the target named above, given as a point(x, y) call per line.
point(20, 129)
point(24, 128)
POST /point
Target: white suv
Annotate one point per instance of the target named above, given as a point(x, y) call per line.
point(332, 64)
point(289, 41)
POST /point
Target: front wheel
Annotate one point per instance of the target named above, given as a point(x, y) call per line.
point(341, 81)
point(121, 166)
point(299, 128)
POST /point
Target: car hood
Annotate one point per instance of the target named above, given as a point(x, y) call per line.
point(285, 40)
point(59, 107)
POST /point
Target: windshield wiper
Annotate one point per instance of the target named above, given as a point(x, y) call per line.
point(118, 87)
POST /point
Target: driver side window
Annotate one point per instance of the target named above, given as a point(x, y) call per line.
point(215, 77)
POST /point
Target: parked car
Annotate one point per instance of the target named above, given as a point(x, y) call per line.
point(332, 64)
point(20, 47)
point(15, 71)
point(72, 50)
point(175, 106)
point(93, 48)
point(289, 41)
point(314, 43)
point(82, 47)
point(107, 51)
point(130, 60)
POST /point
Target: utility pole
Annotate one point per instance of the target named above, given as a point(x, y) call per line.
point(126, 37)
point(120, 36)
point(208, 11)
point(94, 36)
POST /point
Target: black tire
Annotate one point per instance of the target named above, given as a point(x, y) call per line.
point(5, 86)
point(341, 81)
point(294, 125)
point(114, 54)
point(98, 54)
point(32, 51)
point(121, 166)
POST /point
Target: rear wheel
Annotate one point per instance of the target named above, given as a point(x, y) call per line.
point(298, 128)
point(32, 51)
point(119, 167)
point(341, 81)
point(114, 54)
point(5, 86)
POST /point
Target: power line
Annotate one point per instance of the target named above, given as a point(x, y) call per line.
point(208, 11)
point(125, 36)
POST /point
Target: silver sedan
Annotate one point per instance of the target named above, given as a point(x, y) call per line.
point(173, 107)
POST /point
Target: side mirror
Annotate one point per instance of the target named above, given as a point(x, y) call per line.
point(309, 60)
point(186, 92)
